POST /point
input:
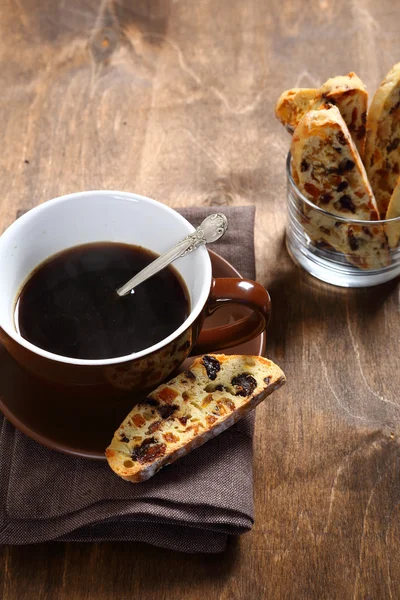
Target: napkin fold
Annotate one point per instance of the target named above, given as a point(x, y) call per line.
point(193, 505)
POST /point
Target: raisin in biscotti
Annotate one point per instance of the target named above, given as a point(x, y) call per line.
point(347, 92)
point(188, 411)
point(382, 151)
point(330, 173)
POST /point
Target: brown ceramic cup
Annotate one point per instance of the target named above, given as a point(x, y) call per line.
point(125, 218)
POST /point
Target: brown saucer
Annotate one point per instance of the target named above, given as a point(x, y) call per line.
point(64, 422)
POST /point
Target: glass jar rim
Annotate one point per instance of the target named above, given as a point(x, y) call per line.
point(325, 212)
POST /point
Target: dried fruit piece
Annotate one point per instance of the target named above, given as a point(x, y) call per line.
point(245, 384)
point(190, 375)
point(153, 427)
point(138, 420)
point(212, 366)
point(148, 450)
point(170, 438)
point(166, 411)
point(167, 395)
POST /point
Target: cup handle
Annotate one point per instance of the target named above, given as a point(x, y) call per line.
point(236, 291)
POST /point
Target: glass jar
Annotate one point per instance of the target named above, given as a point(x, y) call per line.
point(337, 250)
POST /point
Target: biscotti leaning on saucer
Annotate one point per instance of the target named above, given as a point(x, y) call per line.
point(189, 410)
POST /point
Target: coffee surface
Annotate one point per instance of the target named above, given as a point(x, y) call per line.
point(69, 305)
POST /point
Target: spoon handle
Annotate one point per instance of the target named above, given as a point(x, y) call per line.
point(180, 249)
point(212, 228)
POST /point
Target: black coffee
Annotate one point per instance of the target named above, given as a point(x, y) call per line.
point(69, 305)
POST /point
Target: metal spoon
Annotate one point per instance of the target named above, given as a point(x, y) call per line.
point(210, 230)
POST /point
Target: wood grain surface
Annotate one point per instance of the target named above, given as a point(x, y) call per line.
point(174, 100)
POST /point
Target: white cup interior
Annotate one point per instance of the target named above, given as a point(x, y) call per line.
point(92, 217)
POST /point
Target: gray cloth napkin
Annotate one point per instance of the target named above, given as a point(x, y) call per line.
point(191, 506)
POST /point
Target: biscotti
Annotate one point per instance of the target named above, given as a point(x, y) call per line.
point(188, 411)
point(382, 151)
point(347, 92)
point(330, 173)
point(293, 104)
point(393, 211)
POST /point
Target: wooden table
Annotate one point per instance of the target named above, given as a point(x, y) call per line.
point(174, 100)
